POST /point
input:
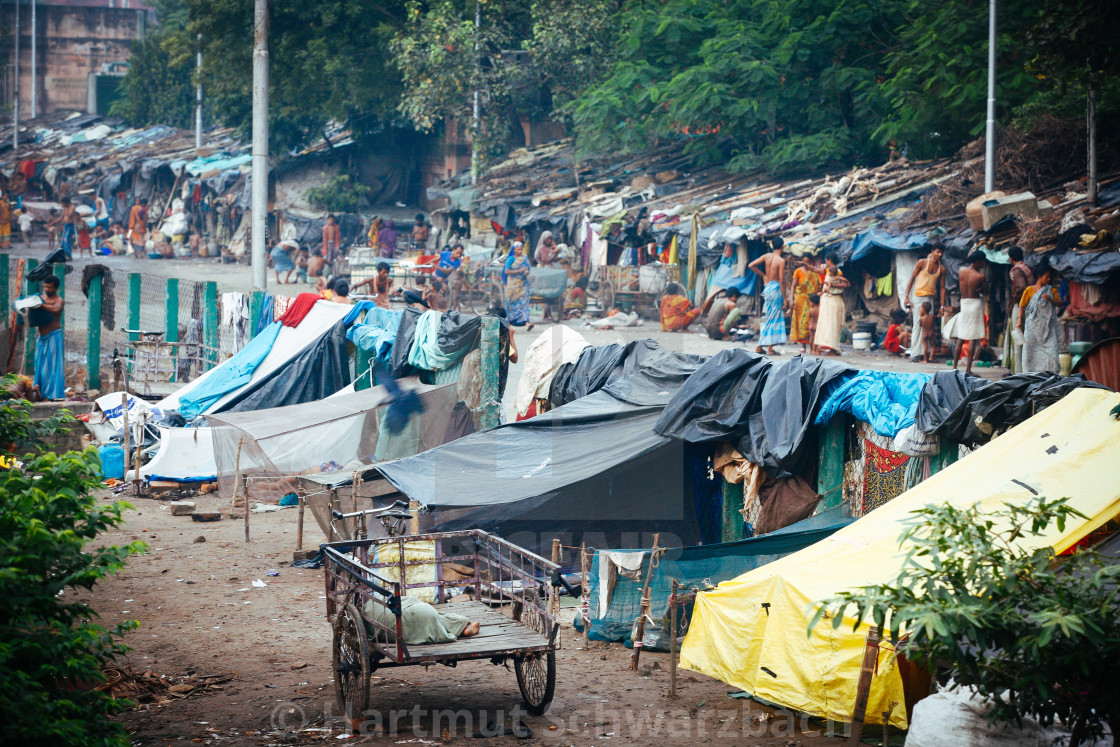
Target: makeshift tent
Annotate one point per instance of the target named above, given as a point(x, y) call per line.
point(614, 606)
point(592, 469)
point(340, 432)
point(751, 632)
point(185, 454)
point(641, 372)
point(222, 383)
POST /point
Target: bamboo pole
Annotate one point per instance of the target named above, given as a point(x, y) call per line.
point(414, 522)
point(673, 640)
point(299, 529)
point(643, 611)
point(124, 430)
point(237, 473)
point(585, 598)
point(245, 483)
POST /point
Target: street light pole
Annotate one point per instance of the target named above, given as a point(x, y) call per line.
point(198, 98)
point(990, 130)
point(15, 110)
point(477, 100)
point(259, 209)
point(34, 62)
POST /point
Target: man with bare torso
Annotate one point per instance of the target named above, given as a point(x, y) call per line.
point(50, 375)
point(772, 331)
point(968, 325)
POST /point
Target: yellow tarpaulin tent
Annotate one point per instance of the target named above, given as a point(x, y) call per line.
point(750, 632)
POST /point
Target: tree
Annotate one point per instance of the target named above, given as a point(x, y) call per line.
point(159, 85)
point(51, 651)
point(1033, 637)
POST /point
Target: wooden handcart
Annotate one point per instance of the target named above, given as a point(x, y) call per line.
point(511, 590)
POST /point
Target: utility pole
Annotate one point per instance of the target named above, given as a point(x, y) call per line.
point(15, 110)
point(34, 61)
point(477, 97)
point(259, 224)
point(990, 131)
point(198, 98)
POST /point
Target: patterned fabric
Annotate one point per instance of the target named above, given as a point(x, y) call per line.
point(67, 240)
point(1040, 331)
point(516, 277)
point(806, 282)
point(50, 375)
point(677, 313)
point(885, 475)
point(773, 330)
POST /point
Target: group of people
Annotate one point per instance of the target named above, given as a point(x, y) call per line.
point(813, 300)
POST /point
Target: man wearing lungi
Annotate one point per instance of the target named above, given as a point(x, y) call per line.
point(968, 324)
point(50, 374)
point(772, 331)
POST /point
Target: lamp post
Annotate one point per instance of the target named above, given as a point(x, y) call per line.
point(990, 130)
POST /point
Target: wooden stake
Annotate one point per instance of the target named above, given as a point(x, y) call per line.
point(585, 592)
point(124, 429)
point(673, 641)
point(554, 600)
point(237, 473)
point(643, 612)
point(299, 529)
point(245, 483)
point(870, 658)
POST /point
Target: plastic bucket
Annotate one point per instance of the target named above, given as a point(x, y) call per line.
point(861, 340)
point(112, 461)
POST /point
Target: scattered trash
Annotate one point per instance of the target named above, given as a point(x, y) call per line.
point(291, 499)
point(259, 584)
point(207, 516)
point(274, 573)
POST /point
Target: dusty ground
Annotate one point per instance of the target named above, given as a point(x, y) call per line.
point(200, 613)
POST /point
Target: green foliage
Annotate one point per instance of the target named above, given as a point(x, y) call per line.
point(51, 651)
point(339, 194)
point(787, 86)
point(159, 85)
point(1036, 638)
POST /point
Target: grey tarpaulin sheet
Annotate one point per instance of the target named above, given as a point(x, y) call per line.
point(642, 372)
point(766, 409)
point(316, 373)
point(970, 411)
point(594, 467)
point(456, 333)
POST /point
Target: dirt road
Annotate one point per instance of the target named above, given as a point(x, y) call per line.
point(200, 614)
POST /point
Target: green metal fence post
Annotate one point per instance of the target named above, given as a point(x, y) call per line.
point(256, 301)
point(134, 285)
point(491, 404)
point(830, 471)
point(93, 334)
point(210, 320)
point(29, 343)
point(171, 320)
point(5, 278)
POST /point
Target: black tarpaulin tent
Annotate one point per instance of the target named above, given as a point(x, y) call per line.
point(591, 471)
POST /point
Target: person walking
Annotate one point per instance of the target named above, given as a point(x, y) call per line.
point(515, 275)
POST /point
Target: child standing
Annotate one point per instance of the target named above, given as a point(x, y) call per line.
point(25, 225)
point(926, 323)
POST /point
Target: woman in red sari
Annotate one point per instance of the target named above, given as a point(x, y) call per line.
point(806, 282)
point(676, 310)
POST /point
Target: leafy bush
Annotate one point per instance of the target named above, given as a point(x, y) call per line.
point(1035, 637)
point(340, 194)
point(51, 651)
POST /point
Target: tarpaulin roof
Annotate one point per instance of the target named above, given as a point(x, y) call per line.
point(594, 465)
point(969, 410)
point(751, 632)
point(641, 372)
point(866, 242)
point(764, 408)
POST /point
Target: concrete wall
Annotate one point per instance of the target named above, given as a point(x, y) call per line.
point(72, 42)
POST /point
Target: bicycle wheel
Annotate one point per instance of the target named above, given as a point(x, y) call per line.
point(350, 664)
point(536, 679)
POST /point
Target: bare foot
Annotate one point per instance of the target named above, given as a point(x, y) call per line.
point(471, 629)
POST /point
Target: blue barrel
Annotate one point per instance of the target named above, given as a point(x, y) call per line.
point(112, 461)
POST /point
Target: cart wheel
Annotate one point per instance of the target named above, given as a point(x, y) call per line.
point(489, 293)
point(536, 678)
point(606, 296)
point(350, 662)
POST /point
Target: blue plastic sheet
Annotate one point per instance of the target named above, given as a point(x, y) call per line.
point(231, 375)
point(377, 332)
point(864, 242)
point(888, 401)
point(725, 274)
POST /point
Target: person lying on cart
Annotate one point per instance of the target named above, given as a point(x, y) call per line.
point(421, 622)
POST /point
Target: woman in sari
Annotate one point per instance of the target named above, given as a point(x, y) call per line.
point(830, 318)
point(515, 275)
point(676, 310)
point(387, 239)
point(806, 282)
point(1039, 321)
point(546, 253)
point(374, 232)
